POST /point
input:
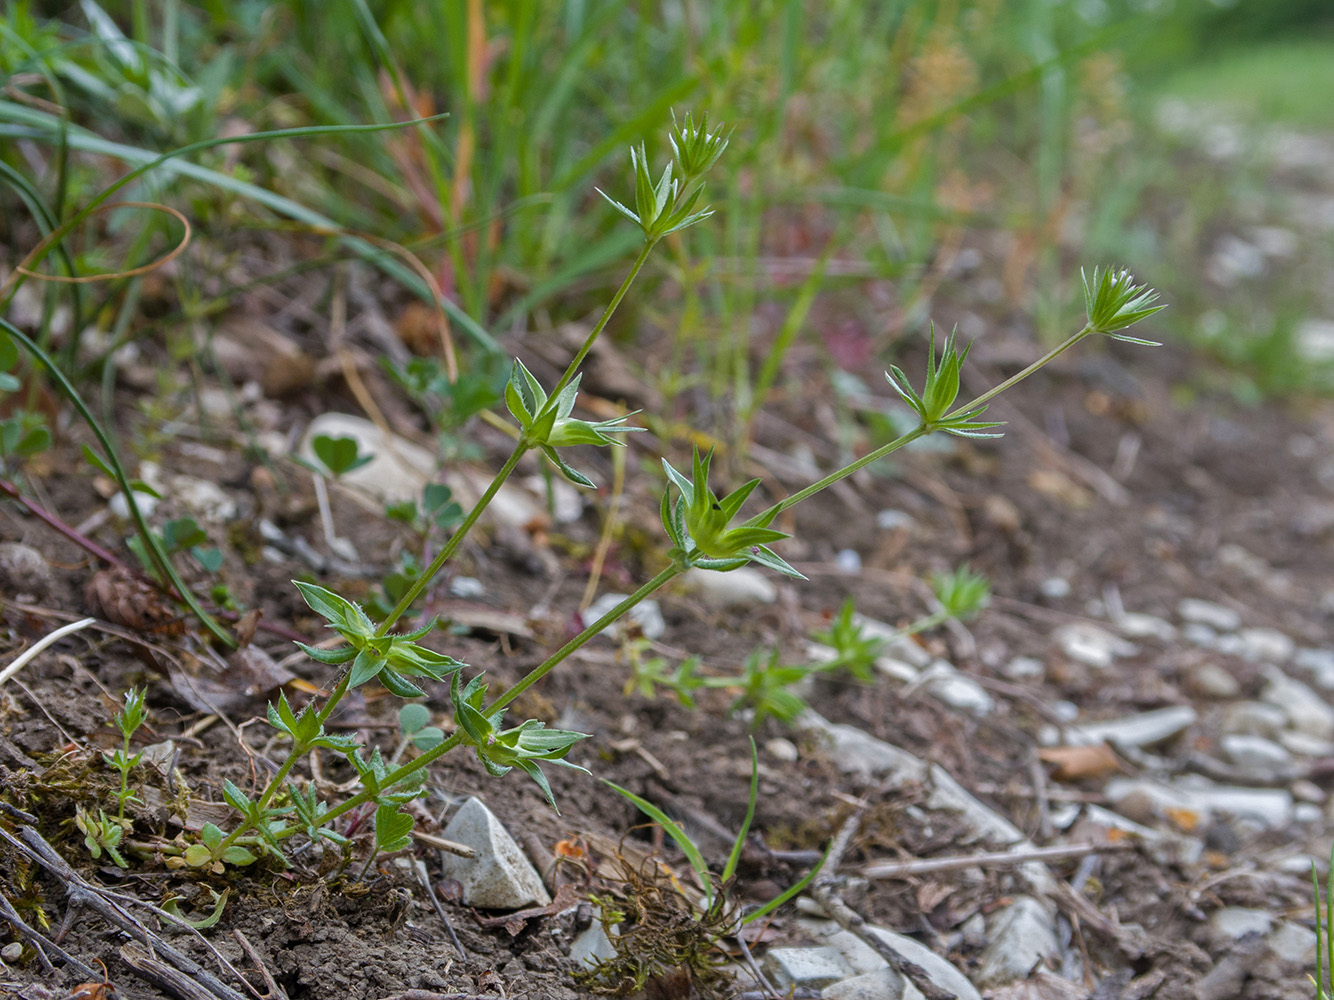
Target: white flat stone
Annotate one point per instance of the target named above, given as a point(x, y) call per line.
point(1091, 644)
point(1307, 711)
point(1217, 616)
point(398, 469)
point(1266, 645)
point(882, 984)
point(1293, 943)
point(1136, 625)
point(1235, 922)
point(646, 614)
point(956, 690)
point(939, 971)
point(1022, 668)
point(1023, 937)
point(1254, 751)
point(500, 877)
point(1256, 718)
point(815, 968)
point(739, 588)
point(592, 947)
point(1143, 730)
point(1213, 681)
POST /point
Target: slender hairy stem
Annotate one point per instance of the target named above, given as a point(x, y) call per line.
point(455, 540)
point(843, 473)
point(1046, 359)
point(535, 675)
point(540, 671)
point(607, 313)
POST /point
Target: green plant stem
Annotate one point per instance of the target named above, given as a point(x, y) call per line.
point(911, 436)
point(533, 676)
point(843, 473)
point(265, 798)
point(606, 318)
point(455, 540)
point(1013, 380)
point(150, 540)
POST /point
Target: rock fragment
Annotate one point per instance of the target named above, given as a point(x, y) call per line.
point(500, 877)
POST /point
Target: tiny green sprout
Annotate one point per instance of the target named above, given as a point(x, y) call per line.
point(940, 391)
point(547, 424)
point(101, 834)
point(1323, 980)
point(128, 720)
point(338, 455)
point(698, 524)
point(764, 688)
point(501, 750)
point(853, 650)
point(309, 812)
point(696, 148)
point(1113, 302)
point(961, 592)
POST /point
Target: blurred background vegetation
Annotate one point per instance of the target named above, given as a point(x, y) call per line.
point(891, 161)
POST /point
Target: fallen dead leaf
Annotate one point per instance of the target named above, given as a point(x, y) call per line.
point(1080, 763)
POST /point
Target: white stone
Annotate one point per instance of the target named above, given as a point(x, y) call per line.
point(859, 955)
point(1023, 936)
point(1307, 711)
point(1235, 922)
point(939, 971)
point(1198, 634)
point(1272, 807)
point(468, 588)
point(1254, 751)
point(1308, 813)
point(1305, 745)
point(1092, 644)
point(1145, 729)
point(1024, 668)
point(1254, 717)
point(1319, 663)
point(894, 520)
point(1135, 625)
point(857, 752)
point(815, 968)
point(1213, 681)
point(1266, 645)
point(882, 984)
point(592, 947)
point(398, 469)
point(900, 646)
point(202, 498)
point(848, 561)
point(566, 502)
point(782, 750)
point(740, 588)
point(646, 614)
point(1216, 616)
point(1293, 943)
point(1054, 588)
point(956, 690)
point(500, 877)
point(1315, 339)
point(904, 673)
point(1162, 847)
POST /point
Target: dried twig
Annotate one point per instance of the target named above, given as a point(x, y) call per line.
point(992, 859)
point(850, 920)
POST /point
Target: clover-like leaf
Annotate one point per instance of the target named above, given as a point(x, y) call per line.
point(338, 455)
point(393, 829)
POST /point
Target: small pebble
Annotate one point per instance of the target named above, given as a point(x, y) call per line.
point(1266, 645)
point(781, 749)
point(468, 588)
point(848, 561)
point(1254, 752)
point(1055, 588)
point(893, 520)
point(1023, 668)
point(1199, 634)
point(1216, 616)
point(1212, 681)
point(12, 952)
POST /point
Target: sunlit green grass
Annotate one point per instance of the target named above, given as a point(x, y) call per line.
point(1285, 82)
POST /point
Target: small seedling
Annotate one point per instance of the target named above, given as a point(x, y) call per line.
point(414, 724)
point(854, 651)
point(101, 834)
point(128, 719)
point(335, 457)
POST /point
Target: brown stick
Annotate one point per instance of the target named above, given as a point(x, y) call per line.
point(853, 922)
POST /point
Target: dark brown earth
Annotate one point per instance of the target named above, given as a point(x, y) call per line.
point(1124, 470)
